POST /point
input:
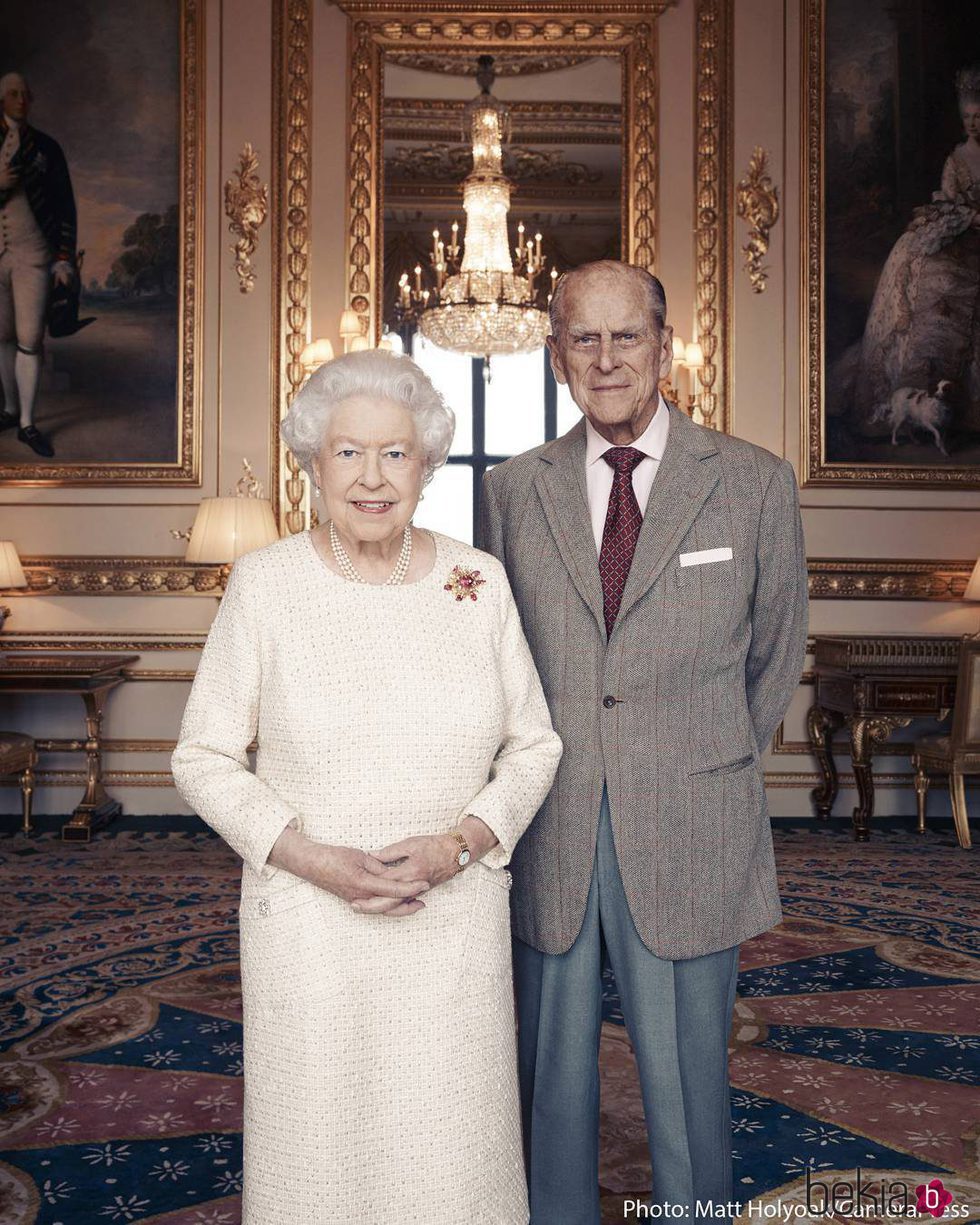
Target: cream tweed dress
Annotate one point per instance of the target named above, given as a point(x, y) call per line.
point(380, 1064)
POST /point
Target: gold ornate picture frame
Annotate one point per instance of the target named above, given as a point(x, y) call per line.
point(129, 264)
point(874, 415)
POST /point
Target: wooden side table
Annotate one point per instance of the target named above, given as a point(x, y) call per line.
point(92, 677)
point(873, 684)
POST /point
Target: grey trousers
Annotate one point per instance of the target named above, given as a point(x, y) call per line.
point(677, 1015)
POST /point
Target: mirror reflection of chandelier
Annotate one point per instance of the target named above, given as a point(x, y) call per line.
point(484, 303)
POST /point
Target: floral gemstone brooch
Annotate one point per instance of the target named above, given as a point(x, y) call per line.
point(464, 584)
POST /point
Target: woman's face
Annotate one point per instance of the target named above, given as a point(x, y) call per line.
point(370, 468)
point(970, 113)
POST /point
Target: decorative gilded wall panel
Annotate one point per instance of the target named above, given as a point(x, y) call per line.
point(713, 205)
point(292, 172)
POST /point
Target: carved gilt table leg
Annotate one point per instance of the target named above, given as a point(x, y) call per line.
point(921, 788)
point(865, 733)
point(957, 795)
point(96, 806)
point(821, 725)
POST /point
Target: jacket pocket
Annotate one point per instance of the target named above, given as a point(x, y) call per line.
point(725, 767)
point(263, 904)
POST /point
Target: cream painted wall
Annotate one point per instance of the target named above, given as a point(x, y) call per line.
point(238, 392)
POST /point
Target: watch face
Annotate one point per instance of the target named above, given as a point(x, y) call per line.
point(464, 858)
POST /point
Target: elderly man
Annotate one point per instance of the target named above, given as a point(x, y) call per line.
point(660, 574)
point(37, 241)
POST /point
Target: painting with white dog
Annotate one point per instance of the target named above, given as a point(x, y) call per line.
point(901, 310)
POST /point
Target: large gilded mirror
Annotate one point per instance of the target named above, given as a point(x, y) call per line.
point(579, 157)
point(581, 83)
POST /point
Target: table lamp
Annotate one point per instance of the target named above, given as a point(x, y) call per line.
point(973, 587)
point(11, 573)
point(225, 528)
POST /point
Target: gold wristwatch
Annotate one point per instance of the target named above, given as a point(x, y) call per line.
point(463, 856)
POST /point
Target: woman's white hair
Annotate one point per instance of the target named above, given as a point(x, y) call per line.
point(378, 374)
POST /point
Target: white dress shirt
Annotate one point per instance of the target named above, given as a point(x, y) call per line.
point(599, 475)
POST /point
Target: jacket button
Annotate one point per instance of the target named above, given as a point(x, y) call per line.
point(609, 702)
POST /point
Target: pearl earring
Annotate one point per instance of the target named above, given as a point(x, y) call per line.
point(316, 491)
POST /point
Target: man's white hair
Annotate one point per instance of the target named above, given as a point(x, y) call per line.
point(377, 374)
point(656, 296)
point(8, 79)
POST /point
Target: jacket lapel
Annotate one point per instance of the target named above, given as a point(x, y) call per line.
point(687, 474)
point(561, 488)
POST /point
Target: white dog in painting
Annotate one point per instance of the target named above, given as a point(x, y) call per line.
point(917, 410)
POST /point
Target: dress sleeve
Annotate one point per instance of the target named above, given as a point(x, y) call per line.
point(527, 759)
point(210, 763)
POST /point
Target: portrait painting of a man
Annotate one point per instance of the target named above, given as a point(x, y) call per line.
point(91, 240)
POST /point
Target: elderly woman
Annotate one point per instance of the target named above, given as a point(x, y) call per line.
point(403, 747)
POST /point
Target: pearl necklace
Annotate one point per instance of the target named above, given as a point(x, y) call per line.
point(397, 576)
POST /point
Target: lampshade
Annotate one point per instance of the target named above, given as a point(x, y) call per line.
point(693, 355)
point(316, 353)
point(11, 571)
point(973, 586)
point(359, 343)
point(678, 349)
point(225, 528)
point(350, 324)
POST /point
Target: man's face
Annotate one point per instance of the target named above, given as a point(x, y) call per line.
point(16, 98)
point(611, 353)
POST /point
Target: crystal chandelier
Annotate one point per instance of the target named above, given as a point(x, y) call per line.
point(483, 303)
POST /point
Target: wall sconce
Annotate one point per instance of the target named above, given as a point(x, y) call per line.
point(351, 330)
point(12, 574)
point(314, 355)
point(693, 360)
point(688, 357)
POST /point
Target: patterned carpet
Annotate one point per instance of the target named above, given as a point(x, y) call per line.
point(855, 1044)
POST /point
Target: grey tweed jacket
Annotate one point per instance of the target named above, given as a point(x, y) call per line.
point(702, 662)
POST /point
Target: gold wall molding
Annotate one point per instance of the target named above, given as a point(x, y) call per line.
point(49, 576)
point(246, 206)
point(887, 579)
point(378, 27)
point(111, 778)
point(503, 65)
point(829, 579)
point(292, 85)
point(108, 746)
point(82, 640)
point(809, 779)
point(757, 200)
point(713, 219)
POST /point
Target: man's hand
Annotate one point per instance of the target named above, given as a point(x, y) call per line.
point(63, 272)
point(9, 178)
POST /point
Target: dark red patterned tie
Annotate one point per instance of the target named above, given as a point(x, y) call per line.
point(621, 532)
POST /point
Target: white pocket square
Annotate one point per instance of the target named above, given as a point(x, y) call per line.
point(704, 556)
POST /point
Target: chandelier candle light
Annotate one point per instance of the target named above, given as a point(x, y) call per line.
point(483, 303)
